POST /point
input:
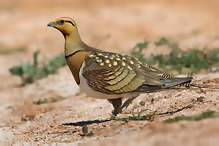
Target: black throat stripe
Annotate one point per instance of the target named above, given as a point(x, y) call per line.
point(70, 22)
point(72, 54)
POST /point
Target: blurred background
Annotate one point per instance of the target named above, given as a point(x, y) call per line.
point(110, 25)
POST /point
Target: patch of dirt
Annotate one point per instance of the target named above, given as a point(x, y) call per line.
point(52, 110)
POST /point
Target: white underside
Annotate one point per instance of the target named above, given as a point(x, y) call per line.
point(88, 90)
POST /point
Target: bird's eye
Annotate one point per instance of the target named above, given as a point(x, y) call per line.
point(61, 22)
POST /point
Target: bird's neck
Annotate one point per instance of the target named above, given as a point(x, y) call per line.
point(75, 54)
point(73, 43)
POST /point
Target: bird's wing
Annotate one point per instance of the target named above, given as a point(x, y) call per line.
point(113, 73)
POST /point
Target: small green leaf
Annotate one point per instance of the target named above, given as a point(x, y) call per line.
point(35, 55)
point(162, 41)
point(17, 70)
point(139, 114)
point(85, 129)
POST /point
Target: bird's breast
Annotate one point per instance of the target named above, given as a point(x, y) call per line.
point(75, 62)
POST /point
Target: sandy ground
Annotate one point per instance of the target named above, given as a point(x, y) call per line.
point(113, 26)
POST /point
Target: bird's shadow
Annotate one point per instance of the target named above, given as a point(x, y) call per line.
point(82, 123)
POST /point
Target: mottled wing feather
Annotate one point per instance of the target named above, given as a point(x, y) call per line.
point(113, 73)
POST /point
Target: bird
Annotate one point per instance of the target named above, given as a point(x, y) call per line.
point(108, 75)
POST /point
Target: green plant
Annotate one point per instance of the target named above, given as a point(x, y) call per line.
point(49, 100)
point(137, 51)
point(85, 131)
point(135, 117)
point(7, 51)
point(203, 115)
point(193, 60)
point(31, 72)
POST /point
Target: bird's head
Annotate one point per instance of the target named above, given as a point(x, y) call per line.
point(65, 25)
point(68, 28)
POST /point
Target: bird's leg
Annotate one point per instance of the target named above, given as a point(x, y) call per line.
point(117, 103)
point(127, 103)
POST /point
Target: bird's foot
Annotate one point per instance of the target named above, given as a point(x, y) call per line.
point(127, 103)
point(115, 112)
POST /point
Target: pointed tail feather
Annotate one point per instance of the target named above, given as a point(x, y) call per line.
point(205, 86)
point(170, 82)
point(167, 83)
point(173, 83)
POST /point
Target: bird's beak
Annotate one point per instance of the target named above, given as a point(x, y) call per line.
point(51, 24)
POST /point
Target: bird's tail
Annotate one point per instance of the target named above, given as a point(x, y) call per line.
point(191, 84)
point(181, 82)
point(204, 86)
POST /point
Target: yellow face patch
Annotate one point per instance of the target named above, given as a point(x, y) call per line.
point(65, 25)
